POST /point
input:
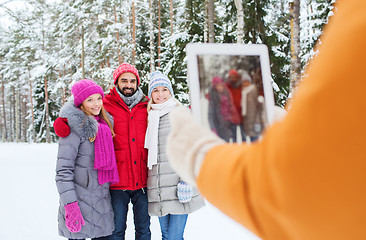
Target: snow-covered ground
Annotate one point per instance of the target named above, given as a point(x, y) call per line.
point(29, 201)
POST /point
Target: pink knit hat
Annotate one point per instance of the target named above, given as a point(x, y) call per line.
point(82, 89)
point(125, 67)
point(217, 80)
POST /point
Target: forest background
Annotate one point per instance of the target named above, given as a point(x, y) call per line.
point(48, 45)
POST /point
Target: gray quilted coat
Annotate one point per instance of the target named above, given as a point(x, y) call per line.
point(162, 182)
point(77, 180)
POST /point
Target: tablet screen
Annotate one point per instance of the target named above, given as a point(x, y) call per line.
point(231, 89)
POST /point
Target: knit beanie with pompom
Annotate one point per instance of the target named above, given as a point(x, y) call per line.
point(159, 79)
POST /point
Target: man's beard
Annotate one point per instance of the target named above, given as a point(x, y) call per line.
point(127, 94)
point(235, 84)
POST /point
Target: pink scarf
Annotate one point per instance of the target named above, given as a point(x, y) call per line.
point(105, 159)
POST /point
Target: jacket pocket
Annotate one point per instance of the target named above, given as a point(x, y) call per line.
point(143, 161)
point(122, 159)
point(81, 177)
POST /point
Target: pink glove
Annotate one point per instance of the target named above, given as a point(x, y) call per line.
point(73, 217)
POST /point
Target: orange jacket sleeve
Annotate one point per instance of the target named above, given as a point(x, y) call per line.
point(307, 178)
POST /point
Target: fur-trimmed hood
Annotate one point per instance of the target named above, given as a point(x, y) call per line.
point(83, 125)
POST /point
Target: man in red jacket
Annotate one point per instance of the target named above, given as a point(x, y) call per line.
point(127, 104)
point(234, 84)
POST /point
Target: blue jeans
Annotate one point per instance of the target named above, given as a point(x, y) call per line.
point(99, 238)
point(233, 129)
point(172, 226)
point(243, 135)
point(120, 201)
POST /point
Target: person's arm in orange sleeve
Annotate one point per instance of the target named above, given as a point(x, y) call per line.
point(305, 179)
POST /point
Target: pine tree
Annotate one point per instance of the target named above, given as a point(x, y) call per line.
point(278, 42)
point(315, 14)
point(295, 67)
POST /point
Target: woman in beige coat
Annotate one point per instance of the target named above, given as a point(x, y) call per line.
point(169, 198)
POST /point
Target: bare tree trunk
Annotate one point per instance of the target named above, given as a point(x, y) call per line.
point(171, 17)
point(133, 32)
point(32, 110)
point(82, 52)
point(12, 119)
point(21, 115)
point(24, 119)
point(205, 26)
point(211, 22)
point(63, 89)
point(117, 37)
point(295, 44)
point(46, 123)
point(159, 34)
point(240, 28)
point(151, 24)
point(17, 116)
point(5, 129)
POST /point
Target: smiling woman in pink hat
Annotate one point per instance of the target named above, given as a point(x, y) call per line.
point(86, 165)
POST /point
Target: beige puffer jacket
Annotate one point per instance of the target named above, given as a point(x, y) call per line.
point(162, 182)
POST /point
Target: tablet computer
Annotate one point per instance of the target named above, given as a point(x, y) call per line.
point(231, 88)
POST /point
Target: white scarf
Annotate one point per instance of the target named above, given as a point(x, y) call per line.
point(151, 137)
point(244, 94)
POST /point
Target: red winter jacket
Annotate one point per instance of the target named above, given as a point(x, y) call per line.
point(236, 94)
point(130, 128)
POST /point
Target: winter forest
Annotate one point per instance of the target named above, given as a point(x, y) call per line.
point(48, 45)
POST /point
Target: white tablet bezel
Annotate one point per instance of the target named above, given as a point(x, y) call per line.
point(193, 50)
